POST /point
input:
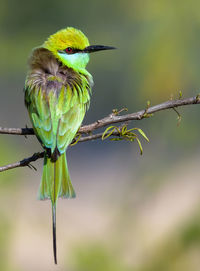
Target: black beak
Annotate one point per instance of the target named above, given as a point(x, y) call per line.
point(95, 48)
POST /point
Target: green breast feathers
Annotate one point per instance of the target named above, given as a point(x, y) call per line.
point(57, 98)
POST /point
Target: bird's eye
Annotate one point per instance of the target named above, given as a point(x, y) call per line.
point(69, 50)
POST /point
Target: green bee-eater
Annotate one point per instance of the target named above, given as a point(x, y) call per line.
point(57, 95)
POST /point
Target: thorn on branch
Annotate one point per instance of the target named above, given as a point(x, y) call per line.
point(32, 167)
point(26, 126)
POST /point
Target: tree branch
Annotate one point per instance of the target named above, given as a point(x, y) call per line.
point(36, 156)
point(86, 129)
point(114, 118)
point(24, 162)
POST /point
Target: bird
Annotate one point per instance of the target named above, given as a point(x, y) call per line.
point(57, 95)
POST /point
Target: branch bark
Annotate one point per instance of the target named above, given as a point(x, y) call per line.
point(114, 118)
point(87, 129)
point(24, 162)
point(38, 155)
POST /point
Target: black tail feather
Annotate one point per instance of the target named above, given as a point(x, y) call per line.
point(54, 232)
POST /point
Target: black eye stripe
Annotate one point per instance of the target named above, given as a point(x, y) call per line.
point(73, 50)
point(76, 50)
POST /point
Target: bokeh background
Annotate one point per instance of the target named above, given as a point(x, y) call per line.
point(132, 212)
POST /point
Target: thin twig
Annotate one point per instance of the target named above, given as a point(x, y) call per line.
point(24, 162)
point(111, 119)
point(16, 131)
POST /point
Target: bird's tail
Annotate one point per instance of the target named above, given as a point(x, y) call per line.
point(55, 183)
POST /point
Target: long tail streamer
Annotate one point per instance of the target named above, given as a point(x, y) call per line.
point(54, 232)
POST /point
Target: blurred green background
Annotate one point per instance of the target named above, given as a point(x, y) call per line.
point(132, 212)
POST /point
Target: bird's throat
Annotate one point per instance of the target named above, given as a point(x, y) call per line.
point(76, 61)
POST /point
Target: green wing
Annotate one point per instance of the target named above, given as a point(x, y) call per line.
point(40, 115)
point(56, 114)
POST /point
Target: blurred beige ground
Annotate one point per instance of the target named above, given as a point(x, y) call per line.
point(108, 211)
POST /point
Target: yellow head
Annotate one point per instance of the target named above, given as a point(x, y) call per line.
point(72, 48)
